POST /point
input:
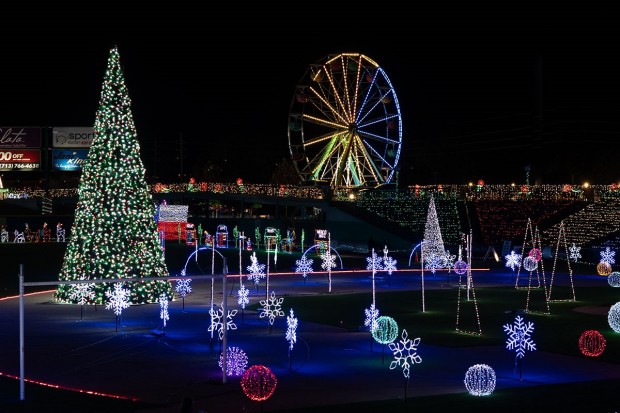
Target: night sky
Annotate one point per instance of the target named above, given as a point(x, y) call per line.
point(483, 92)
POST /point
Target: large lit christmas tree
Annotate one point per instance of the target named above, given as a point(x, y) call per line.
point(114, 234)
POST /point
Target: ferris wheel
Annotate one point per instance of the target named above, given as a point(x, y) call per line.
point(345, 126)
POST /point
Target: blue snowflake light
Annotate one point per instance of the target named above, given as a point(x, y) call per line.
point(608, 256)
point(371, 317)
point(303, 266)
point(519, 337)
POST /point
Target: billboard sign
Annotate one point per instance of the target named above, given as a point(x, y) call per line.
point(72, 137)
point(18, 137)
point(20, 160)
point(68, 159)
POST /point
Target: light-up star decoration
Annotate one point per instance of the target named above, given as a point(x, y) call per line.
point(519, 337)
point(242, 296)
point(256, 270)
point(513, 260)
point(291, 330)
point(405, 353)
point(272, 308)
point(608, 256)
point(118, 299)
point(574, 252)
point(217, 321)
point(303, 266)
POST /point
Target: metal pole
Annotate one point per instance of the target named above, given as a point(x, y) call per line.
point(225, 326)
point(22, 395)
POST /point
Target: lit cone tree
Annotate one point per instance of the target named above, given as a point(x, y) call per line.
point(433, 250)
point(114, 234)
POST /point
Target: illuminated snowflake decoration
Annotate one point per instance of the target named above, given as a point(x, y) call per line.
point(389, 265)
point(272, 308)
point(374, 262)
point(217, 321)
point(371, 317)
point(304, 266)
point(574, 252)
point(256, 270)
point(163, 309)
point(83, 292)
point(449, 260)
point(118, 299)
point(242, 296)
point(608, 256)
point(405, 353)
point(513, 260)
point(519, 337)
point(328, 261)
point(291, 330)
point(182, 287)
point(236, 361)
point(434, 262)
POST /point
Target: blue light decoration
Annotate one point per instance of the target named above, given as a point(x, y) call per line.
point(614, 279)
point(236, 361)
point(613, 317)
point(405, 353)
point(480, 380)
point(530, 263)
point(386, 331)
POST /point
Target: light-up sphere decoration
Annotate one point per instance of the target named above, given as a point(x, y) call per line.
point(530, 263)
point(614, 279)
point(386, 331)
point(603, 268)
point(592, 343)
point(613, 317)
point(258, 382)
point(460, 267)
point(536, 254)
point(480, 380)
point(236, 361)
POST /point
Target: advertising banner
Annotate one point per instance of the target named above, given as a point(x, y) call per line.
point(68, 159)
point(18, 137)
point(72, 137)
point(20, 160)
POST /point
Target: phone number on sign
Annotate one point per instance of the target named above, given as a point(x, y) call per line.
point(19, 165)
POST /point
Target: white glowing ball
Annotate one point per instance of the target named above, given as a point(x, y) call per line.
point(480, 380)
point(614, 279)
point(613, 317)
point(530, 263)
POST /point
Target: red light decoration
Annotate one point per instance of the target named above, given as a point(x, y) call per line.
point(258, 382)
point(592, 343)
point(239, 181)
point(536, 254)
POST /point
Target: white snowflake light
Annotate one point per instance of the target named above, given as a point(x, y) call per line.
point(118, 299)
point(519, 337)
point(608, 256)
point(574, 252)
point(480, 380)
point(163, 311)
point(328, 261)
point(272, 308)
point(182, 287)
point(242, 295)
point(405, 353)
point(374, 262)
point(371, 317)
point(449, 260)
point(434, 262)
point(83, 292)
point(256, 270)
point(291, 330)
point(513, 260)
point(389, 265)
point(217, 321)
point(304, 266)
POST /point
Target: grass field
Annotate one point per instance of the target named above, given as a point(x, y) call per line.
point(556, 332)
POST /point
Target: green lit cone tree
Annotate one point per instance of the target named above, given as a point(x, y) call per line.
point(114, 234)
